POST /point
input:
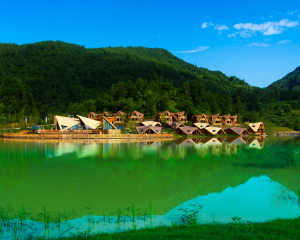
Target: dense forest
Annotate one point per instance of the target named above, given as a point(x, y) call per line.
point(47, 78)
point(289, 82)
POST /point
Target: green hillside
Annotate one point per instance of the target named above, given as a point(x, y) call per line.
point(289, 82)
point(59, 73)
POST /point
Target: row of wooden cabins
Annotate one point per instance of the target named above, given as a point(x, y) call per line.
point(119, 116)
point(215, 119)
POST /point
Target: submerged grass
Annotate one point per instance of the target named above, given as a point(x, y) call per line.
point(276, 229)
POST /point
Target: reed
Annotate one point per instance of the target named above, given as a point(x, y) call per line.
point(150, 210)
point(22, 215)
point(119, 215)
point(133, 211)
point(46, 218)
point(65, 212)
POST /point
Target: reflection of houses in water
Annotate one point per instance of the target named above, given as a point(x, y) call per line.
point(256, 143)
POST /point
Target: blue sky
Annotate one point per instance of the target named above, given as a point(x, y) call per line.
point(258, 41)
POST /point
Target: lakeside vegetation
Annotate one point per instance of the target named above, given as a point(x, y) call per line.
point(276, 229)
point(47, 78)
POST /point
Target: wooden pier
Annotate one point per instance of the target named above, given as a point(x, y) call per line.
point(85, 136)
point(287, 134)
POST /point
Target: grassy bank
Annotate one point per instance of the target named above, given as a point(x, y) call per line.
point(276, 229)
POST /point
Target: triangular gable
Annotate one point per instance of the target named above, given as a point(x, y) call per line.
point(255, 144)
point(212, 142)
point(214, 130)
point(254, 126)
point(188, 130)
point(65, 123)
point(143, 129)
point(239, 130)
point(150, 123)
point(175, 125)
point(89, 122)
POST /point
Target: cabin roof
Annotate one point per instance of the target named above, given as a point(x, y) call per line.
point(93, 124)
point(150, 123)
point(119, 112)
point(66, 121)
point(200, 115)
point(238, 130)
point(255, 126)
point(201, 125)
point(188, 130)
point(175, 125)
point(226, 116)
point(143, 129)
point(215, 115)
point(214, 130)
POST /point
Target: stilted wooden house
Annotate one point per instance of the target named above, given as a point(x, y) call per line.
point(174, 125)
point(237, 130)
point(256, 128)
point(213, 131)
point(200, 118)
point(150, 123)
point(119, 116)
point(136, 116)
point(215, 119)
point(188, 131)
point(148, 130)
point(171, 117)
point(201, 126)
point(93, 115)
point(233, 120)
point(226, 120)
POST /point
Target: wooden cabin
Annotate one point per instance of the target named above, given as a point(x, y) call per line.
point(181, 117)
point(256, 128)
point(226, 120)
point(119, 116)
point(188, 131)
point(93, 115)
point(136, 116)
point(213, 131)
point(150, 123)
point(233, 120)
point(107, 125)
point(237, 131)
point(174, 125)
point(200, 118)
point(172, 117)
point(148, 130)
point(105, 114)
point(215, 120)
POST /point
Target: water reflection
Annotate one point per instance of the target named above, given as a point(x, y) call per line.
point(92, 176)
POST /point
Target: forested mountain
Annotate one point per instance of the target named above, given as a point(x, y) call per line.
point(289, 82)
point(47, 78)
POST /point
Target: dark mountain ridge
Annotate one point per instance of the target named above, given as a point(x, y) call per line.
point(289, 82)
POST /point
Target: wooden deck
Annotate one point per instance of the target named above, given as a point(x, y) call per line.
point(85, 136)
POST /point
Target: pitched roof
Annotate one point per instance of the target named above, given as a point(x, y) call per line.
point(215, 115)
point(188, 130)
point(201, 125)
point(214, 130)
point(234, 116)
point(104, 113)
point(66, 122)
point(119, 112)
point(175, 125)
point(238, 130)
point(255, 126)
point(183, 112)
point(200, 115)
point(169, 113)
point(93, 124)
point(150, 123)
point(143, 129)
point(226, 116)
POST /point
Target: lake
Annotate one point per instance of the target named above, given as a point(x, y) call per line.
point(87, 184)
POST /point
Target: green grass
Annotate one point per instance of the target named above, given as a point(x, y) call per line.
point(276, 229)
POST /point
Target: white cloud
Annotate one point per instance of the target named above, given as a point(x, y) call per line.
point(259, 45)
point(221, 27)
point(207, 24)
point(291, 13)
point(267, 28)
point(243, 34)
point(284, 41)
point(198, 49)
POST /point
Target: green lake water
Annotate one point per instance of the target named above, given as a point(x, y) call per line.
point(88, 179)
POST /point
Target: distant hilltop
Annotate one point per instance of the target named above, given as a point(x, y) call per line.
point(289, 82)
